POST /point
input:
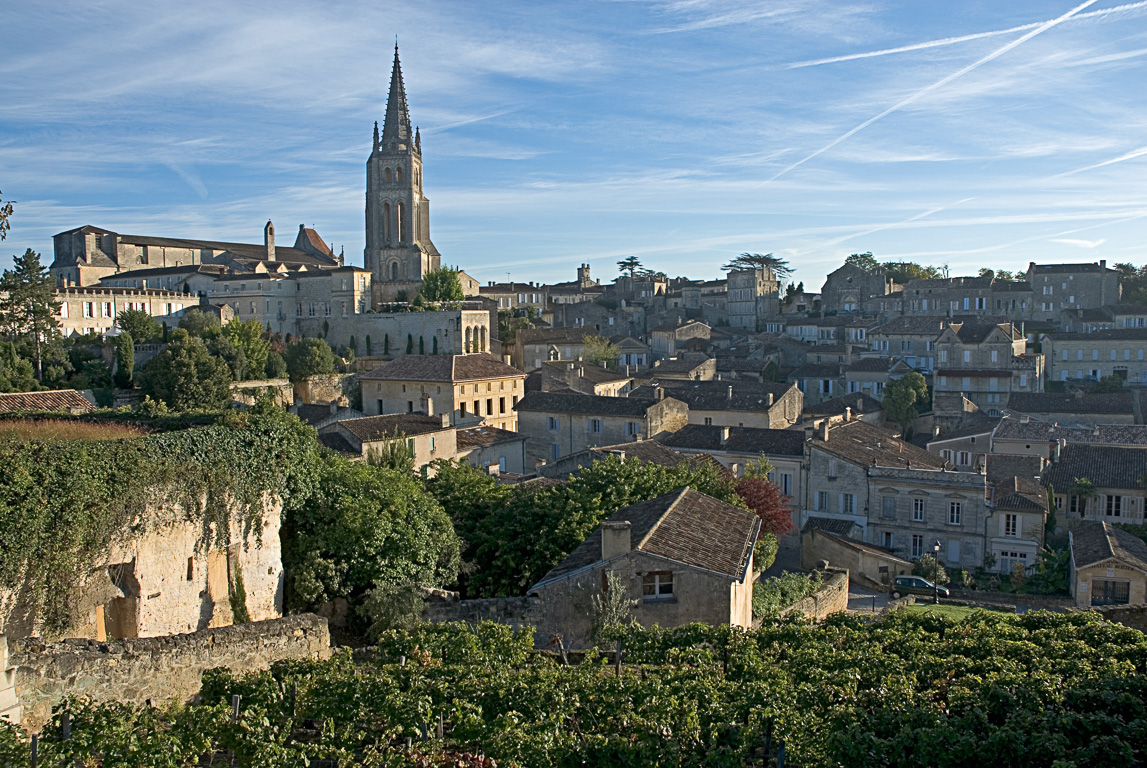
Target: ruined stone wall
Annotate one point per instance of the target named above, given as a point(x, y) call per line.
point(832, 597)
point(247, 391)
point(162, 669)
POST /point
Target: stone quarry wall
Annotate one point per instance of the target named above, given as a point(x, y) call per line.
point(831, 598)
point(162, 669)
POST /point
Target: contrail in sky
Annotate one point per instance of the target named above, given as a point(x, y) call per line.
point(941, 83)
point(1129, 156)
point(953, 40)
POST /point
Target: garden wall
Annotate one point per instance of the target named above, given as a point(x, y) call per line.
point(832, 597)
point(161, 669)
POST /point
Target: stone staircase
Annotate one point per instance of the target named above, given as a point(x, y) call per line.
point(10, 708)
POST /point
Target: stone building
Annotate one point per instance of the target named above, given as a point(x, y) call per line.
point(1057, 287)
point(494, 450)
point(848, 287)
point(1113, 493)
point(911, 339)
point(1092, 356)
point(1023, 435)
point(733, 403)
point(476, 389)
point(532, 347)
point(398, 247)
point(1108, 566)
point(564, 376)
point(93, 309)
point(666, 340)
point(987, 363)
point(683, 557)
point(427, 438)
point(752, 294)
point(558, 424)
point(515, 296)
point(1079, 408)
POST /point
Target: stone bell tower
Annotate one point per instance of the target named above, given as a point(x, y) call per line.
point(398, 247)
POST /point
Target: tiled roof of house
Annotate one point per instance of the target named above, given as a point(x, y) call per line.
point(979, 426)
point(698, 437)
point(858, 401)
point(1106, 334)
point(1018, 494)
point(976, 332)
point(592, 405)
point(866, 445)
point(52, 400)
point(869, 365)
point(1126, 309)
point(685, 526)
point(1011, 286)
point(816, 371)
point(1094, 542)
point(1063, 269)
point(313, 414)
point(587, 371)
point(442, 368)
point(999, 467)
point(337, 442)
point(1104, 466)
point(648, 451)
point(371, 428)
point(830, 525)
point(718, 395)
point(1054, 402)
point(311, 237)
point(683, 364)
point(1034, 430)
point(555, 335)
point(476, 437)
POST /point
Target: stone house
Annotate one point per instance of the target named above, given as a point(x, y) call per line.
point(61, 400)
point(818, 381)
point(689, 366)
point(733, 403)
point(1078, 408)
point(964, 448)
point(1108, 566)
point(558, 424)
point(94, 309)
point(666, 340)
point(870, 375)
point(1114, 473)
point(911, 339)
point(515, 296)
point(868, 565)
point(1057, 287)
point(1091, 356)
point(848, 287)
point(1016, 525)
point(987, 363)
point(858, 406)
point(635, 354)
point(193, 279)
point(427, 437)
point(752, 294)
point(682, 557)
point(493, 449)
point(578, 376)
point(1023, 435)
point(589, 314)
point(473, 389)
point(532, 347)
point(1085, 320)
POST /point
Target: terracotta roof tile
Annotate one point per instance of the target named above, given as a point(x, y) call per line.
point(53, 400)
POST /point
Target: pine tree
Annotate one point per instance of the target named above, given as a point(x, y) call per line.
point(28, 307)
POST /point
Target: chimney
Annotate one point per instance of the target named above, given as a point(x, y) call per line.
point(1059, 445)
point(506, 359)
point(493, 469)
point(660, 393)
point(824, 430)
point(444, 418)
point(724, 435)
point(269, 240)
point(847, 414)
point(730, 391)
point(769, 399)
point(935, 431)
point(614, 539)
point(539, 463)
point(429, 406)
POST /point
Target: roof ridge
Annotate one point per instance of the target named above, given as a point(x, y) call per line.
point(665, 514)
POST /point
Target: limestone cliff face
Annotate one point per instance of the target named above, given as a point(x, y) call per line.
point(167, 578)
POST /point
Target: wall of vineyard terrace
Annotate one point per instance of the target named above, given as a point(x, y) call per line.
point(516, 612)
point(162, 669)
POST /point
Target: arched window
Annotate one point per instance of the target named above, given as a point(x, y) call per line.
point(398, 173)
point(386, 223)
point(386, 174)
point(394, 270)
point(435, 345)
point(401, 228)
point(466, 349)
point(482, 331)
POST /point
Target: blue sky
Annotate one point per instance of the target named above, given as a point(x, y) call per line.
point(683, 131)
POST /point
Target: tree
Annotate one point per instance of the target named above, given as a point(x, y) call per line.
point(1084, 489)
point(629, 264)
point(16, 373)
point(362, 528)
point(143, 328)
point(276, 367)
point(125, 359)
point(186, 376)
point(6, 210)
point(309, 357)
point(768, 503)
point(28, 307)
point(1107, 385)
point(865, 261)
point(904, 397)
point(611, 607)
point(599, 349)
point(441, 285)
point(394, 453)
point(780, 267)
point(247, 335)
point(931, 569)
point(903, 271)
point(199, 323)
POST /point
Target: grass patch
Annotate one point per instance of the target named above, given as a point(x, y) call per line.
point(63, 429)
point(951, 611)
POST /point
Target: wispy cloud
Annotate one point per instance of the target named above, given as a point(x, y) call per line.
point(940, 84)
point(1080, 243)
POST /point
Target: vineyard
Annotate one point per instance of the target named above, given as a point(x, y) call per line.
point(908, 690)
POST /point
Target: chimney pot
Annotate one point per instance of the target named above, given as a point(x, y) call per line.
point(847, 414)
point(769, 399)
point(660, 392)
point(730, 391)
point(615, 539)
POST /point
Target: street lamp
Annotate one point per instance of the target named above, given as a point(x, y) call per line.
point(935, 573)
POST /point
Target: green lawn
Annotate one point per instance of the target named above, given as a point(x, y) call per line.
point(952, 611)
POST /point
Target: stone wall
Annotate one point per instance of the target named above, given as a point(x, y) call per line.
point(1134, 616)
point(161, 669)
point(247, 391)
point(1008, 600)
point(831, 598)
point(516, 611)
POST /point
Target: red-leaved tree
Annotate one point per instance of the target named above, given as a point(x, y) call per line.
point(767, 501)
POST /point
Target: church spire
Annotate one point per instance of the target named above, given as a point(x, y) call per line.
point(396, 127)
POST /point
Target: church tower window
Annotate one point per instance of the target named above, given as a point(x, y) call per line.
point(386, 175)
point(386, 222)
point(401, 228)
point(398, 173)
point(394, 270)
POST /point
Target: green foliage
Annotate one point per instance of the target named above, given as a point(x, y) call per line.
point(144, 328)
point(28, 307)
point(612, 606)
point(1034, 691)
point(902, 271)
point(200, 323)
point(779, 266)
point(931, 569)
point(772, 596)
point(16, 373)
point(1107, 385)
point(365, 527)
point(1133, 280)
point(599, 349)
point(441, 285)
point(629, 264)
point(63, 503)
point(6, 210)
point(247, 336)
point(764, 552)
point(237, 596)
point(186, 376)
point(395, 453)
point(276, 367)
point(309, 357)
point(906, 398)
point(865, 261)
point(514, 535)
point(125, 359)
point(390, 607)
